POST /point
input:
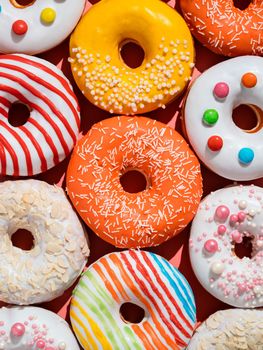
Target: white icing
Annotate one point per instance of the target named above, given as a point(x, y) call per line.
point(67, 106)
point(233, 329)
point(60, 247)
point(225, 162)
point(36, 321)
point(237, 273)
point(40, 37)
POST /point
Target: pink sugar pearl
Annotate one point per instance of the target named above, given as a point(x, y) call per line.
point(18, 329)
point(236, 236)
point(40, 344)
point(222, 212)
point(233, 219)
point(241, 216)
point(221, 229)
point(50, 348)
point(211, 246)
point(221, 90)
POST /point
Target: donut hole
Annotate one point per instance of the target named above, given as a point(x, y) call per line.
point(18, 114)
point(132, 54)
point(244, 249)
point(23, 239)
point(22, 3)
point(242, 4)
point(131, 313)
point(249, 118)
point(134, 181)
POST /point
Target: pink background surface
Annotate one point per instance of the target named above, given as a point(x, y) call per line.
point(176, 250)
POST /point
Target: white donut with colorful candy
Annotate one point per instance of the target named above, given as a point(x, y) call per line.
point(221, 145)
point(36, 26)
point(225, 218)
point(34, 328)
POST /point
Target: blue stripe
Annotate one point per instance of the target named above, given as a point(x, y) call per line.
point(160, 262)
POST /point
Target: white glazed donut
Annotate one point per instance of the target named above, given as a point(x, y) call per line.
point(224, 219)
point(38, 26)
point(60, 246)
point(53, 126)
point(222, 146)
point(233, 329)
point(144, 279)
point(34, 328)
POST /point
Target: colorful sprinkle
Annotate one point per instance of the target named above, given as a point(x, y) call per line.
point(215, 143)
point(221, 90)
point(211, 246)
point(246, 155)
point(249, 80)
point(20, 27)
point(48, 15)
point(221, 214)
point(210, 117)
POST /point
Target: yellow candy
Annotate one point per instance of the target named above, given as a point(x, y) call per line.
point(100, 71)
point(48, 15)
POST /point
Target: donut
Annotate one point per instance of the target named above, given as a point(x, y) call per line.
point(34, 27)
point(60, 248)
point(101, 73)
point(141, 278)
point(116, 146)
point(230, 330)
point(224, 28)
point(225, 219)
point(34, 328)
point(52, 128)
point(220, 144)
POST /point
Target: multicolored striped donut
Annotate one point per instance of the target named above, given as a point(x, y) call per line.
point(141, 278)
point(52, 128)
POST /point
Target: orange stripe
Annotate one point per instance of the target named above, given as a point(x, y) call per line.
point(152, 333)
point(106, 282)
point(129, 282)
point(142, 336)
point(114, 278)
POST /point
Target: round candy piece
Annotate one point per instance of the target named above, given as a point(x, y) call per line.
point(20, 27)
point(221, 90)
point(210, 117)
point(48, 15)
point(249, 80)
point(246, 155)
point(215, 143)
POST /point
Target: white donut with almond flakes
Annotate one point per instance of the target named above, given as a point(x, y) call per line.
point(226, 218)
point(60, 248)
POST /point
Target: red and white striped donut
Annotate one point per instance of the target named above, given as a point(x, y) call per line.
point(51, 131)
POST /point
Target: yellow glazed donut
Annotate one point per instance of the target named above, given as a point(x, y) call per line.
point(100, 71)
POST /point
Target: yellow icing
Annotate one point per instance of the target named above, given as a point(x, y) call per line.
point(102, 75)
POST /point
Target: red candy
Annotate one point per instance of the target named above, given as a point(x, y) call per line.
point(215, 143)
point(20, 27)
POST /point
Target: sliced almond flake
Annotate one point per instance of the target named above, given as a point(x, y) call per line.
point(53, 248)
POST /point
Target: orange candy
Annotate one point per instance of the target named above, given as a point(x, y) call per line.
point(149, 217)
point(249, 80)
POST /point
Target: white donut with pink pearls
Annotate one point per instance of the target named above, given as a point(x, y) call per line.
point(34, 328)
point(224, 219)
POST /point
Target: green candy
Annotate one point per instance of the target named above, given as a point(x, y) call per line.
point(210, 117)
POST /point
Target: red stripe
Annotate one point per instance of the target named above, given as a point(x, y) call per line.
point(147, 293)
point(33, 91)
point(31, 120)
point(41, 66)
point(5, 102)
point(2, 159)
point(12, 153)
point(29, 135)
point(21, 143)
point(167, 292)
point(48, 86)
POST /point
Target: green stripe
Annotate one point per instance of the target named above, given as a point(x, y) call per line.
point(104, 309)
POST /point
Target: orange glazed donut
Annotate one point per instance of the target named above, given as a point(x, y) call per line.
point(116, 146)
point(224, 28)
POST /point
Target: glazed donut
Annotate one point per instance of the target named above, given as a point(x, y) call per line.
point(37, 27)
point(141, 278)
point(225, 218)
point(103, 76)
point(60, 248)
point(224, 28)
point(231, 329)
point(52, 128)
point(225, 148)
point(116, 146)
point(34, 328)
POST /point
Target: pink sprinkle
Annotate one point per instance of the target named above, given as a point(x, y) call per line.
point(233, 219)
point(236, 236)
point(241, 216)
point(18, 329)
point(2, 323)
point(221, 90)
point(221, 229)
point(34, 326)
point(211, 246)
point(41, 344)
point(2, 332)
point(50, 348)
point(222, 212)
